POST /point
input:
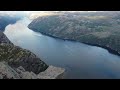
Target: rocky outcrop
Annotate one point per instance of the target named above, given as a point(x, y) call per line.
point(16, 56)
point(52, 73)
point(18, 63)
point(6, 72)
point(4, 39)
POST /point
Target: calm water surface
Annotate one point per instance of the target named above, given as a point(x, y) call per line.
point(79, 60)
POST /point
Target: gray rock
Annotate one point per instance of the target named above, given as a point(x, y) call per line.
point(18, 63)
point(52, 73)
point(4, 39)
point(16, 56)
point(6, 72)
point(19, 69)
point(25, 74)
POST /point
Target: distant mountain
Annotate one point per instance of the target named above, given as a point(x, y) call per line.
point(6, 20)
point(95, 28)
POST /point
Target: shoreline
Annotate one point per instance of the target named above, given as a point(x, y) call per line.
point(104, 47)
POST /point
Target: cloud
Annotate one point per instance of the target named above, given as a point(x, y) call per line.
point(17, 30)
point(12, 13)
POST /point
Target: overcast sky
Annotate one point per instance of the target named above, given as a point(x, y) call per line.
point(33, 13)
point(14, 12)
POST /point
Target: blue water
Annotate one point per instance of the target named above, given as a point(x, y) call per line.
point(79, 60)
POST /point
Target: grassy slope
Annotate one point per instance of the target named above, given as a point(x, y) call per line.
point(100, 29)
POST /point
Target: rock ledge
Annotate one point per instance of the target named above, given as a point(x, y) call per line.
point(6, 72)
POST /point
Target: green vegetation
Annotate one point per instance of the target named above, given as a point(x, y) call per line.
point(16, 56)
point(100, 28)
point(11, 52)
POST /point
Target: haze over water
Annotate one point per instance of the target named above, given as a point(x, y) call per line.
point(79, 60)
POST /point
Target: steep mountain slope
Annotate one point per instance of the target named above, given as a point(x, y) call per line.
point(14, 57)
point(18, 63)
point(98, 28)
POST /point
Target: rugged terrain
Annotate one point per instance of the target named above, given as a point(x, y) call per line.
point(15, 56)
point(18, 63)
point(95, 28)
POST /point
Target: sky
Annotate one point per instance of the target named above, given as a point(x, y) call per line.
point(28, 12)
point(34, 14)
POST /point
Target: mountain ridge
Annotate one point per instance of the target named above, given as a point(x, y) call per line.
point(98, 28)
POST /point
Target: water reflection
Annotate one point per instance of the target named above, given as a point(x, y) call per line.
point(79, 60)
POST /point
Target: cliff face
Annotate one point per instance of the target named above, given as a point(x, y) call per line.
point(4, 39)
point(6, 72)
point(14, 57)
point(99, 28)
point(18, 63)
